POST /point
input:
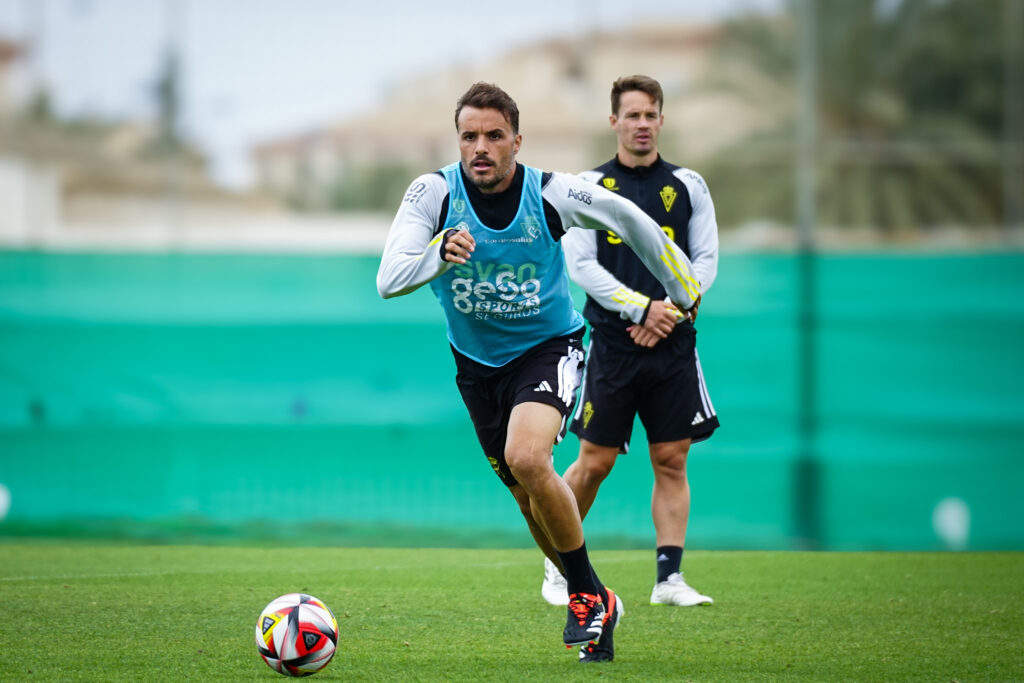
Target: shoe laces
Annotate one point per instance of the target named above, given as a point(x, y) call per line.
point(581, 604)
point(676, 579)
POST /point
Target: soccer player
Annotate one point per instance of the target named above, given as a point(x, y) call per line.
point(642, 358)
point(485, 234)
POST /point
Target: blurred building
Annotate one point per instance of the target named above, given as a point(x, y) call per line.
point(562, 89)
point(64, 183)
point(91, 183)
point(27, 191)
point(8, 53)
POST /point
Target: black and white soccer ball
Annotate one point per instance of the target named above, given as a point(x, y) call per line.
point(296, 634)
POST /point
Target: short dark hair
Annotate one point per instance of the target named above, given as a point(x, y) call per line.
point(489, 96)
point(644, 84)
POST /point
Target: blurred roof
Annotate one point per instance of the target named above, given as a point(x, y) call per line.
point(562, 87)
point(9, 50)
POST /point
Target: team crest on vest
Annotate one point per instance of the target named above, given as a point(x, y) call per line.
point(531, 228)
point(668, 197)
point(610, 184)
point(459, 206)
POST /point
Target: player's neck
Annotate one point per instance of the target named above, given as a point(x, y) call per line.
point(632, 160)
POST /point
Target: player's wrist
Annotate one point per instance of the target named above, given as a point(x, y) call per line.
point(647, 310)
point(444, 242)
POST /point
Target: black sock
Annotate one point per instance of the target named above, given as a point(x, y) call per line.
point(669, 559)
point(601, 590)
point(579, 575)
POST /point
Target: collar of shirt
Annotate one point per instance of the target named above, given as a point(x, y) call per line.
point(640, 171)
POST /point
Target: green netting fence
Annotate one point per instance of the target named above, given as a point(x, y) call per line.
point(237, 398)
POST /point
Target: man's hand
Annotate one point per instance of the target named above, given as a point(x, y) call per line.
point(457, 246)
point(691, 312)
point(642, 336)
point(659, 323)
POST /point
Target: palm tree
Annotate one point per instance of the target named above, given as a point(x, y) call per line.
point(909, 110)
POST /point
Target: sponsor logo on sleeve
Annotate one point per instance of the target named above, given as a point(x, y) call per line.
point(698, 180)
point(415, 192)
point(581, 196)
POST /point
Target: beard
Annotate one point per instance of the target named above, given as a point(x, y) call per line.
point(493, 177)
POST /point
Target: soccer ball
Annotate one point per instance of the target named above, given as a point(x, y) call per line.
point(296, 634)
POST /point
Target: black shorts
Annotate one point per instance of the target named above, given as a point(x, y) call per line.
point(547, 373)
point(664, 385)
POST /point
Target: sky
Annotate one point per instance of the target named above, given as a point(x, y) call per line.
point(256, 70)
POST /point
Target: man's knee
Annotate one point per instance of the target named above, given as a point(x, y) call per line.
point(527, 464)
point(596, 462)
point(669, 458)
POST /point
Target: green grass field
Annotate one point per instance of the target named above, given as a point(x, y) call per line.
point(110, 612)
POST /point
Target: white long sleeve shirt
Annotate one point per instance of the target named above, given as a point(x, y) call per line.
point(412, 255)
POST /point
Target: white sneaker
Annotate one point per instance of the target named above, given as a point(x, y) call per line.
point(675, 591)
point(554, 589)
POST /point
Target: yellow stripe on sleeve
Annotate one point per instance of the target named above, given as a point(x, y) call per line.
point(625, 297)
point(432, 243)
point(691, 286)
